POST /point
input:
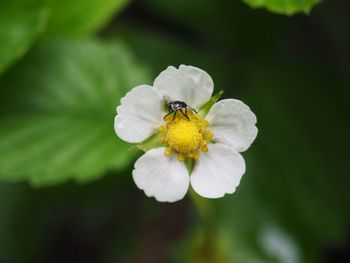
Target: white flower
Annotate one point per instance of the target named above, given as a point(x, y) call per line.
point(208, 141)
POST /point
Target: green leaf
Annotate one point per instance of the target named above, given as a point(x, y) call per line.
point(58, 108)
point(288, 7)
point(21, 22)
point(205, 108)
point(81, 17)
point(152, 142)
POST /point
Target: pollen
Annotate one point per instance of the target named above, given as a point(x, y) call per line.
point(185, 136)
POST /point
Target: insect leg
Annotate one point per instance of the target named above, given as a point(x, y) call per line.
point(170, 112)
point(184, 114)
point(174, 114)
point(193, 109)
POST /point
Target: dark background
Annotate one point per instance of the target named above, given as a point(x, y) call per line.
point(293, 71)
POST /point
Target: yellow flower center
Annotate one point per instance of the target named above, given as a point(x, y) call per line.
point(185, 136)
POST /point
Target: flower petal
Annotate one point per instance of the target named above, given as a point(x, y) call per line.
point(232, 123)
point(163, 177)
point(218, 171)
point(189, 84)
point(139, 115)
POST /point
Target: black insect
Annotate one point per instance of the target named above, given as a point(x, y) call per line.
point(181, 106)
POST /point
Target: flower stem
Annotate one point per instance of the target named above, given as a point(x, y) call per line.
point(203, 206)
point(208, 248)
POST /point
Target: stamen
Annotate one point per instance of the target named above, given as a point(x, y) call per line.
point(161, 128)
point(196, 156)
point(167, 151)
point(209, 135)
point(181, 157)
point(204, 148)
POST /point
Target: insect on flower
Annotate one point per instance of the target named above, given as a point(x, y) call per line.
point(175, 106)
point(199, 145)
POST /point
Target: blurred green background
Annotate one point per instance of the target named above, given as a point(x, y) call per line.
point(66, 192)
